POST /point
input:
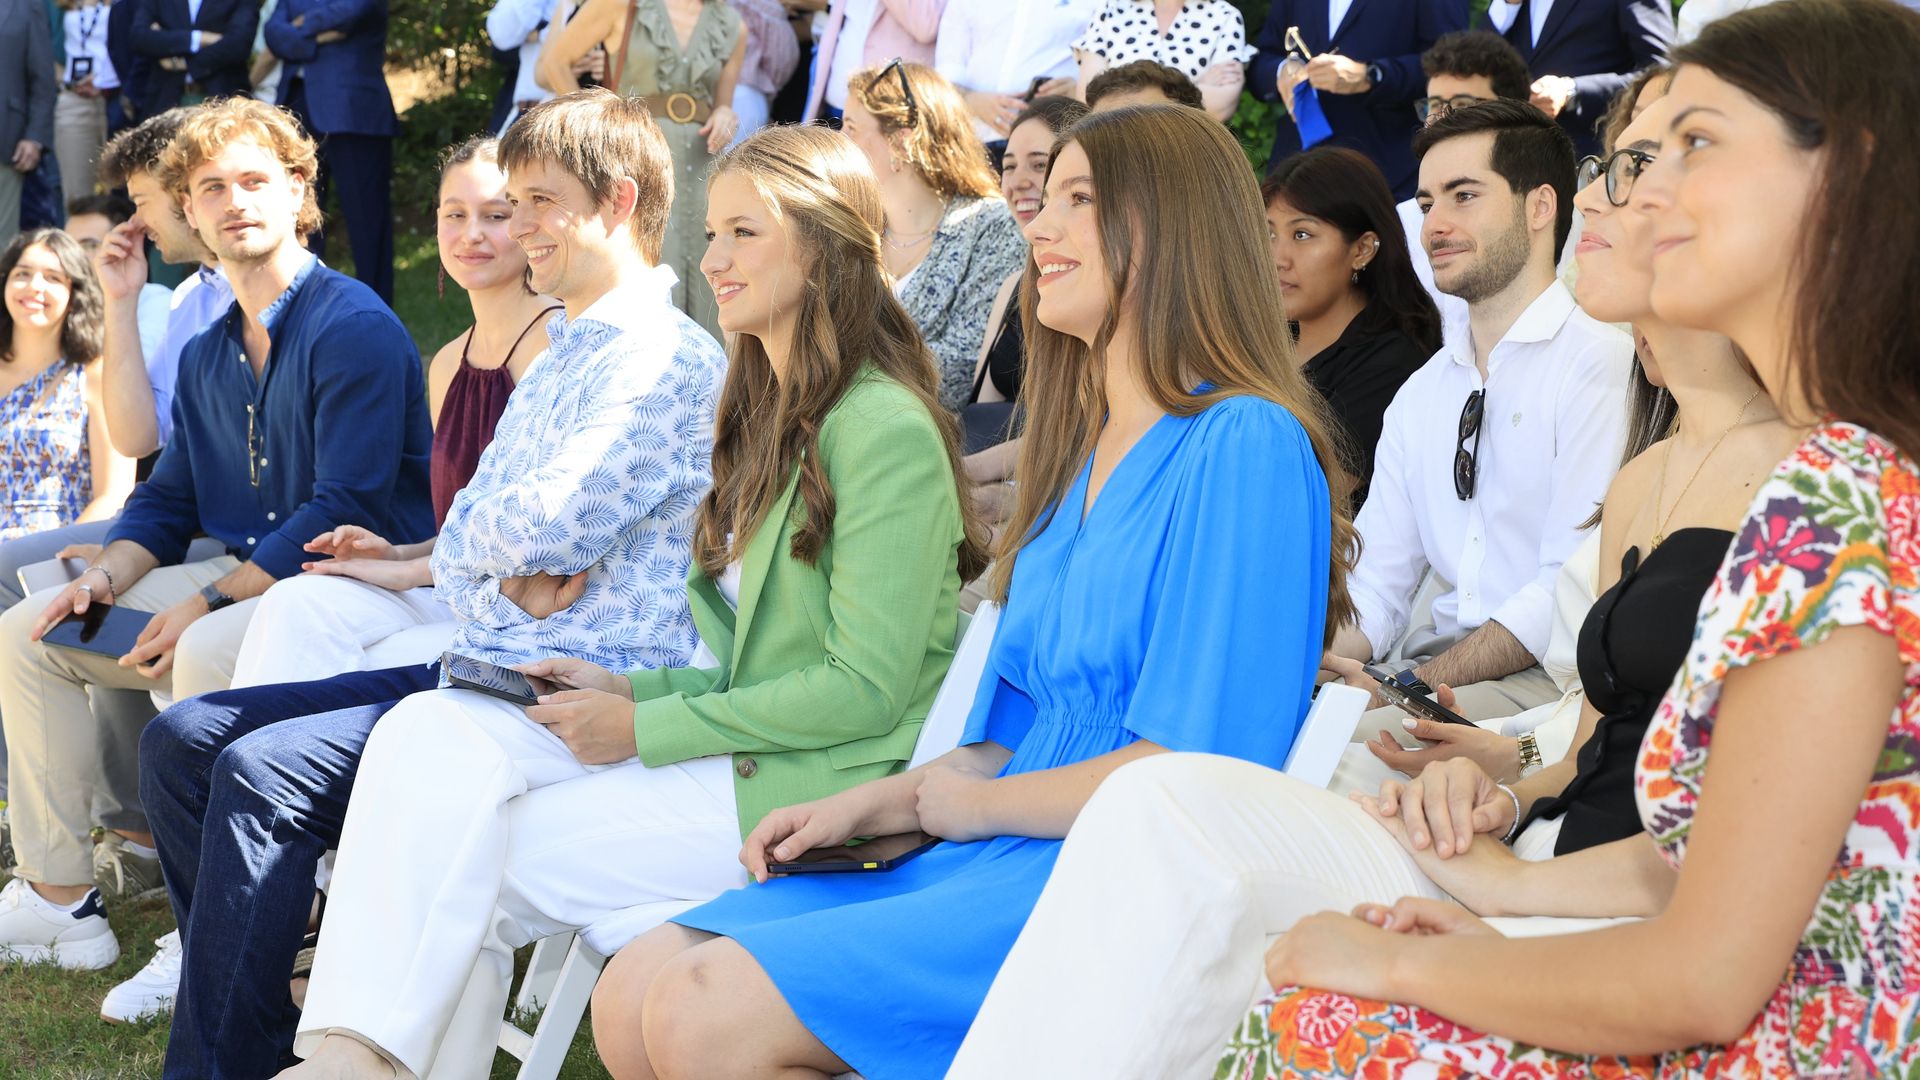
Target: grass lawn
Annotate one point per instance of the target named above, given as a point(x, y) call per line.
point(50, 1028)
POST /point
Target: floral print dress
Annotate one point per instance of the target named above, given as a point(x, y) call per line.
point(46, 475)
point(1832, 540)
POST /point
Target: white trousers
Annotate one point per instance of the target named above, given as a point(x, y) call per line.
point(1148, 944)
point(473, 831)
point(314, 626)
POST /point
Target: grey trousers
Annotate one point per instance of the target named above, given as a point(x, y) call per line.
point(10, 184)
point(121, 713)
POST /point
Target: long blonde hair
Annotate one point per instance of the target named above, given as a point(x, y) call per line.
point(939, 145)
point(819, 186)
point(1183, 233)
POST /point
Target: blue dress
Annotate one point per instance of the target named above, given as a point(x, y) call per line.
point(1187, 609)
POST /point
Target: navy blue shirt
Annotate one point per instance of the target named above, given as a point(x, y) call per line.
point(340, 434)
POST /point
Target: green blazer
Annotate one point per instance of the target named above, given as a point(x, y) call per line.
point(827, 670)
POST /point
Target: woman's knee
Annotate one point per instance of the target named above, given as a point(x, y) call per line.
point(619, 999)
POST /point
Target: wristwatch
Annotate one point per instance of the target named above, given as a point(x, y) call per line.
point(1375, 74)
point(1529, 752)
point(216, 599)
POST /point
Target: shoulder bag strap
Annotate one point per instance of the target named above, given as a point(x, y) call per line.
point(626, 38)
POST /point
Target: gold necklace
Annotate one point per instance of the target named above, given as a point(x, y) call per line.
point(1660, 490)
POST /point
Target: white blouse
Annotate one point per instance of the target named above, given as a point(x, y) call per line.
point(1206, 32)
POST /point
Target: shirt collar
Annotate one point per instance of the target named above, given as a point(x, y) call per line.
point(631, 306)
point(277, 310)
point(211, 274)
point(1541, 321)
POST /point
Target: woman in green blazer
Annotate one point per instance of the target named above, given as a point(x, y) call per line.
point(830, 552)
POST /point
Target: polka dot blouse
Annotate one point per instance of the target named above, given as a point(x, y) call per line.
point(1205, 32)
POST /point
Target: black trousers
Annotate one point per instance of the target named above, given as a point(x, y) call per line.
point(361, 166)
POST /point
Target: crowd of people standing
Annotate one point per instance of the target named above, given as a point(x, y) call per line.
point(1548, 387)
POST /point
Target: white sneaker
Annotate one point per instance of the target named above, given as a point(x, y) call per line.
point(33, 931)
point(151, 992)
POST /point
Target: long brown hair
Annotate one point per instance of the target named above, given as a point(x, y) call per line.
point(1856, 325)
point(83, 328)
point(819, 186)
point(939, 144)
point(1183, 232)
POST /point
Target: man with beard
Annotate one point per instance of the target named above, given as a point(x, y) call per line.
point(276, 438)
point(1494, 454)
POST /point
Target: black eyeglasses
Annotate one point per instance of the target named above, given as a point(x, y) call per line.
point(1621, 168)
point(1466, 463)
point(1432, 108)
point(253, 452)
point(898, 67)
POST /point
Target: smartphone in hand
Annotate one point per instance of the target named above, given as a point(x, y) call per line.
point(1415, 703)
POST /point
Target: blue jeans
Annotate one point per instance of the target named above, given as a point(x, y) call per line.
point(246, 790)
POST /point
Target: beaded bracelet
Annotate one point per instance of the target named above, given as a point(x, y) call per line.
point(112, 589)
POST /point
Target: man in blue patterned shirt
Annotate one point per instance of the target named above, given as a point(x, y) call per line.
point(581, 509)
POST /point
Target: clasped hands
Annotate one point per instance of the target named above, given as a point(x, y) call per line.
point(1435, 818)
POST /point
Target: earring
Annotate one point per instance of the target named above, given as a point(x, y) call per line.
point(894, 160)
point(443, 281)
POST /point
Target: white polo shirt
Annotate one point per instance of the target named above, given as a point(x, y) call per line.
point(1550, 441)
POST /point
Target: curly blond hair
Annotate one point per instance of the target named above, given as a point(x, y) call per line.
point(213, 125)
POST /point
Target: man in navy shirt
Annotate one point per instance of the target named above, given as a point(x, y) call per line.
point(301, 408)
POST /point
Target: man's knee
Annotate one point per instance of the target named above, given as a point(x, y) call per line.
point(177, 746)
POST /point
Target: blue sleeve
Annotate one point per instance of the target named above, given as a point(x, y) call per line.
point(287, 41)
point(1236, 638)
point(359, 433)
point(1403, 78)
point(236, 40)
point(1270, 50)
point(346, 16)
point(1001, 712)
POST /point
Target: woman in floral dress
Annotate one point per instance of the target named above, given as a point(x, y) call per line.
point(1779, 784)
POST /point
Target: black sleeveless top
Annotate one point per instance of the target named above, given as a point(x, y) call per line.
point(1632, 644)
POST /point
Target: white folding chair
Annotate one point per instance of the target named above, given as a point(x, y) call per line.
point(560, 977)
point(1325, 734)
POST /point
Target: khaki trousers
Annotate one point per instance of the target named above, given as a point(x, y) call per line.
point(55, 744)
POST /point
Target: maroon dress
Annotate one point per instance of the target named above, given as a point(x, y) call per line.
point(475, 399)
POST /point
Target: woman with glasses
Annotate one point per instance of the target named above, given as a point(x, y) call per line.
point(1361, 321)
point(1298, 849)
point(950, 240)
point(1180, 547)
point(1777, 867)
point(683, 58)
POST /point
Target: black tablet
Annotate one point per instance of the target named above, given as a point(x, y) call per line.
point(878, 854)
point(106, 629)
point(492, 679)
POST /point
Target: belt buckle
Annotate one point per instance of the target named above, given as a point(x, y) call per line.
point(674, 102)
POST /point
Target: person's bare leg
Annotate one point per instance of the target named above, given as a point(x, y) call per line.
point(713, 1014)
point(341, 1057)
point(621, 992)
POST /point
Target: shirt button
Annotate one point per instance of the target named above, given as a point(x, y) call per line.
point(263, 463)
point(251, 541)
point(746, 767)
point(271, 516)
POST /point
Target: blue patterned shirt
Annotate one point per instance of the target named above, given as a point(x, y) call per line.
point(597, 464)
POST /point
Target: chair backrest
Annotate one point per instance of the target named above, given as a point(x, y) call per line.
point(951, 706)
point(48, 574)
point(1325, 735)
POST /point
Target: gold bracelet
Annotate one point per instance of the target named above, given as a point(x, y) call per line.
point(1529, 752)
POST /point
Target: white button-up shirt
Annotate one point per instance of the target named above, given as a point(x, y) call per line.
point(1001, 46)
point(1550, 440)
point(1501, 13)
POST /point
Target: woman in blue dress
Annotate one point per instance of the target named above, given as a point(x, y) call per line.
point(1182, 555)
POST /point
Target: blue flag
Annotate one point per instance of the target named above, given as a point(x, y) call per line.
point(1308, 118)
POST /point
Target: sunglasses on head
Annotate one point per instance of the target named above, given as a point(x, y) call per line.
point(898, 67)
